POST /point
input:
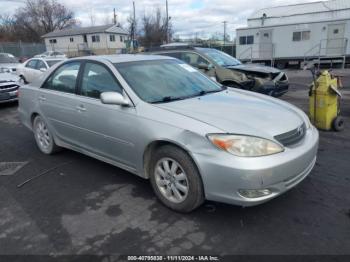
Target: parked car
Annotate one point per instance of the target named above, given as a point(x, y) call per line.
point(51, 54)
point(163, 120)
point(8, 87)
point(33, 68)
point(228, 70)
point(8, 63)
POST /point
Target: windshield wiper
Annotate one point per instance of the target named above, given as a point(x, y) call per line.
point(168, 99)
point(205, 92)
point(201, 93)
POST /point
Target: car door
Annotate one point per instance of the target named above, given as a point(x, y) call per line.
point(40, 68)
point(57, 101)
point(108, 130)
point(29, 70)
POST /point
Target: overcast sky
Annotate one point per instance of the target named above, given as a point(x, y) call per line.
point(188, 16)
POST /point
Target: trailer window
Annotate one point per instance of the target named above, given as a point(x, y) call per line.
point(301, 36)
point(246, 40)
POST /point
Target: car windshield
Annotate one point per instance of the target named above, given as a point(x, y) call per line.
point(8, 58)
point(221, 58)
point(52, 62)
point(160, 81)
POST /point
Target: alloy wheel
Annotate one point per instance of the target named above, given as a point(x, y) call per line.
point(171, 180)
point(43, 136)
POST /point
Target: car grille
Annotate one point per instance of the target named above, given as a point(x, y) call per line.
point(292, 137)
point(8, 86)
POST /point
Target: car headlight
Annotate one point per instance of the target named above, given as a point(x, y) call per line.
point(245, 146)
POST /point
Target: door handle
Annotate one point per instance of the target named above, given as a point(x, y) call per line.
point(81, 108)
point(42, 98)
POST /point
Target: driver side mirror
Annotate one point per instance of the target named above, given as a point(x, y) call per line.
point(114, 98)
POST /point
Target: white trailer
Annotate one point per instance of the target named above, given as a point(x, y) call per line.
point(318, 31)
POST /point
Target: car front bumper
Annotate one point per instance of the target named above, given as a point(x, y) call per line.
point(225, 176)
point(275, 89)
point(7, 97)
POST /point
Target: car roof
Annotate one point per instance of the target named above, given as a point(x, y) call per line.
point(125, 58)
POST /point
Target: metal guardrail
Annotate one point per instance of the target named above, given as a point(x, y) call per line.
point(248, 53)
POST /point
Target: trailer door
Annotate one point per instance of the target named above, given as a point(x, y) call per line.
point(265, 44)
point(336, 40)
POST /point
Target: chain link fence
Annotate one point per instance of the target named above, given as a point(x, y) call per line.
point(20, 49)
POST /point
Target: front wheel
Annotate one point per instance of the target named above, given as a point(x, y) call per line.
point(175, 179)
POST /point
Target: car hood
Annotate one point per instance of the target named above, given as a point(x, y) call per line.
point(239, 113)
point(5, 77)
point(9, 65)
point(255, 68)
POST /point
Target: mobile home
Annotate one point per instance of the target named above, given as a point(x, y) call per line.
point(105, 39)
point(318, 31)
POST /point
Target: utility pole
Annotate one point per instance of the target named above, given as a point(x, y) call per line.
point(114, 17)
point(167, 22)
point(225, 22)
point(133, 26)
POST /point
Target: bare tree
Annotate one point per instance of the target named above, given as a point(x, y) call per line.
point(39, 17)
point(154, 29)
point(6, 28)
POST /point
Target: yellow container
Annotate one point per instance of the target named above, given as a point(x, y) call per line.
point(325, 110)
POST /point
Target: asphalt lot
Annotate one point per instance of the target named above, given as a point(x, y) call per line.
point(85, 206)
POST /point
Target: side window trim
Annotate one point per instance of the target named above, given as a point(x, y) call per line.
point(81, 74)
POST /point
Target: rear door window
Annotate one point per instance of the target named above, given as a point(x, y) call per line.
point(64, 79)
point(40, 64)
point(32, 64)
point(193, 59)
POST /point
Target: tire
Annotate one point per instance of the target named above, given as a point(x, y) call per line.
point(281, 65)
point(338, 124)
point(22, 80)
point(271, 93)
point(165, 184)
point(43, 137)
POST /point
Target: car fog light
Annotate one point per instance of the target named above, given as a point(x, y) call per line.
point(254, 193)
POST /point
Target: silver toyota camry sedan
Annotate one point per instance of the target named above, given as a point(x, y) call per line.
point(162, 120)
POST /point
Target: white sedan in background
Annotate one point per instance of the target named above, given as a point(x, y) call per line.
point(33, 68)
point(51, 54)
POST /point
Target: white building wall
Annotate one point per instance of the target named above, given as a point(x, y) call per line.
point(64, 45)
point(301, 18)
point(282, 38)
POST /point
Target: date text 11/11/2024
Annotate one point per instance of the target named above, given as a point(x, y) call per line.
point(173, 258)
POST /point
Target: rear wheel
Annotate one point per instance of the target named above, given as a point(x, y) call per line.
point(43, 136)
point(22, 80)
point(175, 179)
point(338, 124)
